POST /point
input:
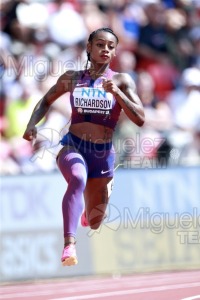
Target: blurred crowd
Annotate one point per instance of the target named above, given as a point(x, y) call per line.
point(159, 47)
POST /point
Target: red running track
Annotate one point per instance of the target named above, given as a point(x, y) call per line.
point(151, 286)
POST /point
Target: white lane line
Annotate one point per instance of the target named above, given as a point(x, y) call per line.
point(192, 298)
point(129, 292)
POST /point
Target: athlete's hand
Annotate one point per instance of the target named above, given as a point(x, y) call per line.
point(110, 87)
point(30, 133)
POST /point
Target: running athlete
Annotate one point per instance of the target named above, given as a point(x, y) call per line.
point(86, 160)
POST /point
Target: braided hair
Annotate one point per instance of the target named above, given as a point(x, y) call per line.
point(94, 33)
point(105, 29)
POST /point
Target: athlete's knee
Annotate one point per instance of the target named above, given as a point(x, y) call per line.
point(78, 180)
point(95, 226)
point(95, 223)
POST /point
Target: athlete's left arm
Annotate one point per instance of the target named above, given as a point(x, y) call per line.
point(124, 90)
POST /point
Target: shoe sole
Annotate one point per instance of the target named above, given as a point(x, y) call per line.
point(70, 261)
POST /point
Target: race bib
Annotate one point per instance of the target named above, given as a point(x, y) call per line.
point(89, 100)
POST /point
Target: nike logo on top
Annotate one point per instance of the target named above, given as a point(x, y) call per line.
point(81, 84)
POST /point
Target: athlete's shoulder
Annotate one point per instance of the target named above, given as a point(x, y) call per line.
point(112, 72)
point(72, 74)
point(68, 79)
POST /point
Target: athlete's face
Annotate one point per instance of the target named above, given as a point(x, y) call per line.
point(103, 47)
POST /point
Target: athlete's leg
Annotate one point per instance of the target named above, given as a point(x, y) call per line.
point(74, 170)
point(97, 193)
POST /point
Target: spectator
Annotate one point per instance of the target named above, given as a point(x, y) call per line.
point(179, 44)
point(16, 115)
point(127, 63)
point(152, 52)
point(184, 103)
point(126, 18)
point(93, 17)
point(62, 21)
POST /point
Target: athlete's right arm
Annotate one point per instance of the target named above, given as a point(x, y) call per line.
point(62, 86)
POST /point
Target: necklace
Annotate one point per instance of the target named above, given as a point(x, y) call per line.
point(96, 75)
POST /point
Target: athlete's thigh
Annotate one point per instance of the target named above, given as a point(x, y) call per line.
point(96, 194)
point(71, 163)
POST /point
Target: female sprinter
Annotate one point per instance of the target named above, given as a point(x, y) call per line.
point(86, 160)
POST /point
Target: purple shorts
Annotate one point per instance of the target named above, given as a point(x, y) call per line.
point(99, 158)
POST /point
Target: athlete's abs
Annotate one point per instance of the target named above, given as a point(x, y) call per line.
point(92, 132)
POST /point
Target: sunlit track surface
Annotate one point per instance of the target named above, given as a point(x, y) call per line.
point(154, 286)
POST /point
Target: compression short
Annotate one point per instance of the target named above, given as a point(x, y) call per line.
point(99, 158)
